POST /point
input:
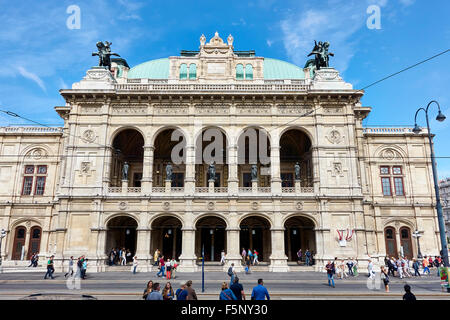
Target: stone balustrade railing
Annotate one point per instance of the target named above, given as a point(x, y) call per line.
point(390, 130)
point(26, 130)
point(161, 87)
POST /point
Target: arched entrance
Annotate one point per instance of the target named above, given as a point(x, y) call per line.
point(19, 242)
point(35, 241)
point(255, 235)
point(254, 148)
point(211, 147)
point(295, 146)
point(391, 242)
point(128, 147)
point(299, 234)
point(405, 242)
point(210, 234)
point(121, 233)
point(165, 153)
point(167, 236)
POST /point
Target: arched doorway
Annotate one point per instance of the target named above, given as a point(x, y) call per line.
point(35, 241)
point(121, 233)
point(165, 153)
point(299, 234)
point(211, 147)
point(254, 148)
point(19, 242)
point(128, 146)
point(211, 236)
point(391, 242)
point(405, 242)
point(295, 146)
point(167, 236)
point(255, 235)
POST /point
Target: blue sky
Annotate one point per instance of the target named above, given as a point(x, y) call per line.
point(40, 55)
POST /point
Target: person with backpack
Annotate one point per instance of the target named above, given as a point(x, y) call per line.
point(416, 267)
point(226, 293)
point(330, 273)
point(385, 277)
point(231, 273)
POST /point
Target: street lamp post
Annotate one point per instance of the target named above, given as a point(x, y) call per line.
point(416, 234)
point(2, 235)
point(440, 117)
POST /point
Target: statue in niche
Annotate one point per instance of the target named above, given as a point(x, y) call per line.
point(169, 172)
point(125, 168)
point(212, 172)
point(297, 171)
point(254, 172)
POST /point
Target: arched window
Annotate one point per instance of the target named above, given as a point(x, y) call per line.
point(192, 71)
point(248, 72)
point(239, 72)
point(183, 71)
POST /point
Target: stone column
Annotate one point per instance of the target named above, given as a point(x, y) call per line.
point(188, 258)
point(233, 180)
point(147, 170)
point(233, 255)
point(189, 180)
point(278, 260)
point(143, 254)
point(275, 168)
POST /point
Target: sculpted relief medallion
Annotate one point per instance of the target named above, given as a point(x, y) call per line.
point(89, 136)
point(334, 136)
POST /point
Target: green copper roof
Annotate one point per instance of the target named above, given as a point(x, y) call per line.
point(277, 69)
point(153, 69)
point(159, 69)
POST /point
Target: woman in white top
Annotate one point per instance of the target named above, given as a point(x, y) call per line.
point(124, 258)
point(135, 264)
point(222, 258)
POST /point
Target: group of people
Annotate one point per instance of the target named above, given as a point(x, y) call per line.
point(119, 256)
point(401, 267)
point(167, 268)
point(345, 268)
point(308, 257)
point(236, 291)
point(153, 291)
point(34, 260)
point(82, 263)
point(249, 258)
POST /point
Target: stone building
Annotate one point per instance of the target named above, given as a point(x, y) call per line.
point(444, 191)
point(359, 192)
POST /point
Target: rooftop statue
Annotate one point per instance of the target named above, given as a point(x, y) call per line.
point(321, 55)
point(104, 54)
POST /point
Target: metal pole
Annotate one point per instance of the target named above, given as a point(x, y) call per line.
point(2, 235)
point(203, 268)
point(440, 216)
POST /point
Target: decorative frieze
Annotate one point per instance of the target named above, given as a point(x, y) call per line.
point(294, 109)
point(129, 108)
point(171, 109)
point(215, 108)
point(250, 108)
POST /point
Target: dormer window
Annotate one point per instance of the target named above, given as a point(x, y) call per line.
point(248, 72)
point(183, 71)
point(244, 75)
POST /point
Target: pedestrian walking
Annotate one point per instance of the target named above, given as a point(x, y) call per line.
point(399, 268)
point(260, 292)
point(299, 256)
point(124, 257)
point(168, 293)
point(155, 294)
point(231, 273)
point(173, 268)
point(385, 277)
point(84, 268)
point(148, 290)
point(162, 265)
point(243, 255)
point(307, 257)
point(248, 264)
point(181, 292)
point(350, 266)
point(370, 270)
point(226, 293)
point(237, 289)
point(425, 265)
point(329, 268)
point(408, 296)
point(135, 264)
point(70, 270)
point(222, 257)
point(32, 259)
point(36, 259)
point(255, 257)
point(250, 254)
point(168, 269)
point(416, 267)
point(156, 257)
point(191, 295)
point(50, 268)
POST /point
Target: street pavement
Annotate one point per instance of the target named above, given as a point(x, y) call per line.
point(294, 285)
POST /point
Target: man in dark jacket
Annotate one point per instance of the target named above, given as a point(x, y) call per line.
point(191, 292)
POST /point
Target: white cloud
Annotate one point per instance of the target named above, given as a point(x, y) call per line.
point(34, 77)
point(269, 42)
point(407, 2)
point(336, 23)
